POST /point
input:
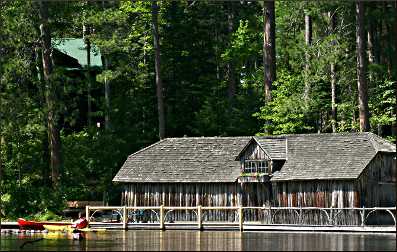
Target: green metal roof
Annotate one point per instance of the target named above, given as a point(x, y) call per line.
point(75, 47)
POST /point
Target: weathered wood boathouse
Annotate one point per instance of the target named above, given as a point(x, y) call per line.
point(341, 170)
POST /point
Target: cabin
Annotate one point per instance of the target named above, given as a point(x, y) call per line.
point(80, 65)
point(340, 170)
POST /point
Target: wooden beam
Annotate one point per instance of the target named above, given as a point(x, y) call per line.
point(199, 220)
point(162, 217)
point(125, 218)
point(241, 218)
point(87, 213)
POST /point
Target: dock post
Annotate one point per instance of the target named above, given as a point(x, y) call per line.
point(199, 217)
point(87, 213)
point(125, 218)
point(300, 215)
point(162, 217)
point(362, 216)
point(241, 218)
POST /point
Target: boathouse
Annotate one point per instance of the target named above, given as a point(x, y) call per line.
point(306, 170)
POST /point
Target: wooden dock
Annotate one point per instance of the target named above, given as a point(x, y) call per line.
point(246, 227)
point(230, 226)
point(128, 219)
point(160, 213)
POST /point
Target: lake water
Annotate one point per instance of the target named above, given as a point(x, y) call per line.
point(195, 240)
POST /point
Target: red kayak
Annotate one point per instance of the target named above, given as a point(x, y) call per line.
point(37, 225)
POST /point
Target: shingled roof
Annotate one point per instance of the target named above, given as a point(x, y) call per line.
point(193, 159)
point(330, 156)
point(275, 147)
point(213, 159)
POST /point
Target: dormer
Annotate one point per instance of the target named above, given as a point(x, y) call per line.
point(261, 157)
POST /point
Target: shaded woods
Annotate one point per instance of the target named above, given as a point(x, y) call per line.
point(175, 68)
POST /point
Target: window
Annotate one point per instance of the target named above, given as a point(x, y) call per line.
point(262, 167)
point(256, 166)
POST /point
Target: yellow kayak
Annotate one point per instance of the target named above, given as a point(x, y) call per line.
point(59, 228)
point(69, 228)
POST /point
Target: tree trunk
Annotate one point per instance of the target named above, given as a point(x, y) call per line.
point(308, 42)
point(371, 55)
point(218, 74)
point(2, 146)
point(333, 77)
point(389, 58)
point(231, 91)
point(370, 46)
point(379, 41)
point(1, 158)
point(88, 73)
point(395, 41)
point(361, 68)
point(371, 34)
point(395, 47)
point(1, 162)
point(53, 131)
point(269, 48)
point(159, 84)
point(107, 97)
point(42, 91)
point(394, 126)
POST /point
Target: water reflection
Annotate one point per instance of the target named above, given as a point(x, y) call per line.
point(194, 240)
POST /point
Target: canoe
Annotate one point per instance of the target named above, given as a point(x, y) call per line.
point(38, 225)
point(69, 228)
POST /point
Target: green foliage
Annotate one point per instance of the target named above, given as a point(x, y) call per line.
point(245, 43)
point(91, 160)
point(382, 103)
point(46, 215)
point(287, 112)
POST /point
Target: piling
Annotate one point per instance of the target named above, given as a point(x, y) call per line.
point(125, 218)
point(87, 213)
point(162, 217)
point(241, 217)
point(199, 221)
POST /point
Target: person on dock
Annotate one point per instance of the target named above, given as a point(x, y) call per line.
point(80, 223)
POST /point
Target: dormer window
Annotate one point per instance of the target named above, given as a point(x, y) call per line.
point(256, 166)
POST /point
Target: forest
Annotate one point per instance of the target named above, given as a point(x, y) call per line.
point(173, 69)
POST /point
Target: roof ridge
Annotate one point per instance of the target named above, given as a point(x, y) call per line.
point(376, 141)
point(372, 141)
point(211, 137)
point(314, 134)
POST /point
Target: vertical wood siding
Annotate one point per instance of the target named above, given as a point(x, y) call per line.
point(321, 193)
point(377, 184)
point(194, 194)
point(324, 194)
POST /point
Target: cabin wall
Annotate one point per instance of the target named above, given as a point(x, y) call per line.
point(377, 184)
point(315, 193)
point(194, 194)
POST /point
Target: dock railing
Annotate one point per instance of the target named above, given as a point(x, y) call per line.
point(268, 215)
